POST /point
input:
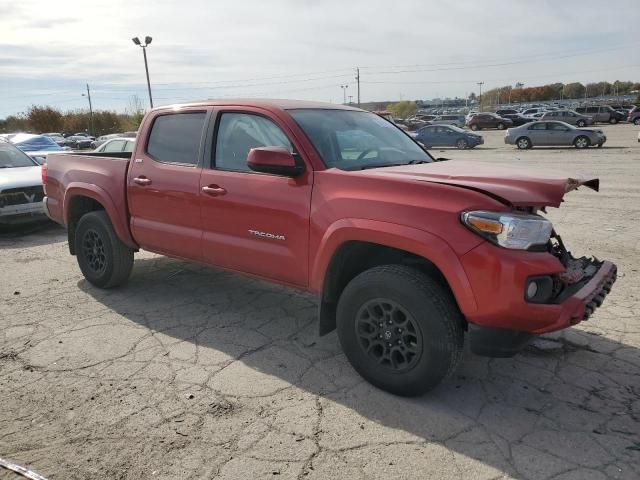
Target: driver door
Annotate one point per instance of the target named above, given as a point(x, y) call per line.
point(252, 222)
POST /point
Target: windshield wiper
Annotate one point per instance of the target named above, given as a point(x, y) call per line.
point(384, 165)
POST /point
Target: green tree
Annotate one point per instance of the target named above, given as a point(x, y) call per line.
point(45, 119)
point(402, 109)
point(14, 123)
point(574, 90)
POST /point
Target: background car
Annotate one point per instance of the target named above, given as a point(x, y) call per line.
point(21, 190)
point(457, 120)
point(78, 142)
point(568, 116)
point(56, 137)
point(601, 113)
point(634, 115)
point(447, 136)
point(103, 138)
point(488, 120)
point(117, 145)
point(506, 111)
point(36, 146)
point(533, 111)
point(517, 118)
point(554, 133)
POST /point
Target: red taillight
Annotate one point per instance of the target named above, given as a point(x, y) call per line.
point(44, 177)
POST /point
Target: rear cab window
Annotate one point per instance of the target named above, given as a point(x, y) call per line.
point(176, 138)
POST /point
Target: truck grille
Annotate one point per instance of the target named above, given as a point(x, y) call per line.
point(18, 196)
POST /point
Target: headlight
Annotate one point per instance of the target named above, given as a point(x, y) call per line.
point(517, 231)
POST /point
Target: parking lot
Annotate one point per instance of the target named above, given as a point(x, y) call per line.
point(191, 372)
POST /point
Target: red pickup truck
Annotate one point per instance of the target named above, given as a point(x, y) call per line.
point(407, 253)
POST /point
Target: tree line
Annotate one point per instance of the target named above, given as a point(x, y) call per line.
point(46, 119)
point(557, 91)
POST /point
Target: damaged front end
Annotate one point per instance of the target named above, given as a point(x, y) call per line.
point(579, 274)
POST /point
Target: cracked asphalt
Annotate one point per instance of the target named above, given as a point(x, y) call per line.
point(190, 372)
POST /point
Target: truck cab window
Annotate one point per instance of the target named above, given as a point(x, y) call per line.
point(175, 138)
point(240, 132)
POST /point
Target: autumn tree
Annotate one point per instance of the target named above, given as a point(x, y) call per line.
point(44, 119)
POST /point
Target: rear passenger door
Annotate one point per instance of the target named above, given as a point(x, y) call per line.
point(164, 184)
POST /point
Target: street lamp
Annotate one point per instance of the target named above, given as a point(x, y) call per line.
point(147, 42)
point(480, 85)
point(344, 93)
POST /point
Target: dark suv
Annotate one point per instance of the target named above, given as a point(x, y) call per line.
point(488, 120)
point(602, 114)
point(634, 115)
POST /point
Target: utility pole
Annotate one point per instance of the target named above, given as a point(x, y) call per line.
point(480, 85)
point(350, 99)
point(358, 81)
point(88, 95)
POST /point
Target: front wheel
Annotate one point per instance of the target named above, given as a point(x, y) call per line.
point(581, 142)
point(474, 127)
point(581, 123)
point(501, 126)
point(613, 121)
point(400, 329)
point(523, 143)
point(462, 144)
point(636, 121)
point(104, 260)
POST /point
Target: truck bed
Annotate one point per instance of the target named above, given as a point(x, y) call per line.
point(99, 175)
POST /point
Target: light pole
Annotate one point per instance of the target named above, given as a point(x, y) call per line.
point(147, 42)
point(480, 85)
point(344, 93)
point(88, 95)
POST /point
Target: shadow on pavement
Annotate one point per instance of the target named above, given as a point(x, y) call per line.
point(31, 234)
point(570, 402)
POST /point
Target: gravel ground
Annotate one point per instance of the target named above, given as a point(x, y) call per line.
point(190, 372)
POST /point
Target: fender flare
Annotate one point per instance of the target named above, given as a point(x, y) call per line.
point(418, 242)
point(100, 195)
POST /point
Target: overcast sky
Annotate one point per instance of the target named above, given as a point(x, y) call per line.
point(409, 49)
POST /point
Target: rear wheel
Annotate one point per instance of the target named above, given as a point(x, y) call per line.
point(501, 126)
point(636, 121)
point(462, 144)
point(581, 123)
point(523, 143)
point(400, 329)
point(474, 127)
point(581, 142)
point(104, 260)
point(613, 120)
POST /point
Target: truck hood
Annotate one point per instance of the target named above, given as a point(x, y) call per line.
point(516, 186)
point(20, 177)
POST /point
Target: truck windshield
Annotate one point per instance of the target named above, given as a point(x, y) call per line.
point(354, 140)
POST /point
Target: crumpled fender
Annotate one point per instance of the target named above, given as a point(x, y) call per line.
point(419, 242)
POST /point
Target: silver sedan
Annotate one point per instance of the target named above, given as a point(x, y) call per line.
point(539, 134)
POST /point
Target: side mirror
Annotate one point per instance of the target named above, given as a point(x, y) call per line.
point(274, 160)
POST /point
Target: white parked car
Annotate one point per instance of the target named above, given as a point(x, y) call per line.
point(118, 144)
point(21, 190)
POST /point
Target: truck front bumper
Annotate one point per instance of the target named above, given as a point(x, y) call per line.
point(21, 213)
point(499, 279)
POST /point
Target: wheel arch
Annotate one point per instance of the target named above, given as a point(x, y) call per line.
point(80, 199)
point(348, 250)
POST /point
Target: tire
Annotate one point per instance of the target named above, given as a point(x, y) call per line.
point(501, 126)
point(636, 121)
point(581, 123)
point(427, 344)
point(462, 144)
point(600, 145)
point(104, 260)
point(582, 142)
point(613, 120)
point(523, 143)
point(474, 127)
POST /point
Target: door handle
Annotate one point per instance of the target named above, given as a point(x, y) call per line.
point(142, 181)
point(214, 190)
